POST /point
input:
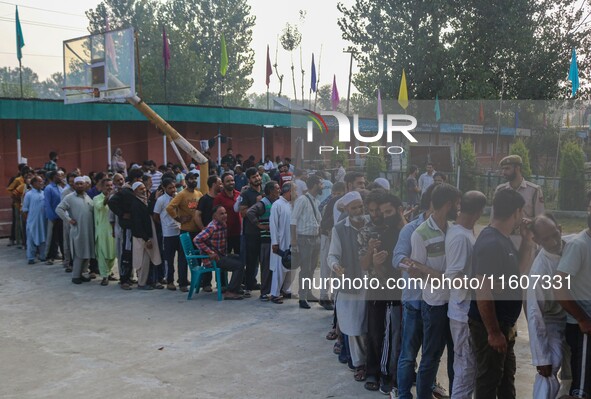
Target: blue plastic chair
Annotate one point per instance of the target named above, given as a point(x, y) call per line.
point(197, 269)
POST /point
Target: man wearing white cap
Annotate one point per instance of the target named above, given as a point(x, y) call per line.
point(77, 210)
point(343, 259)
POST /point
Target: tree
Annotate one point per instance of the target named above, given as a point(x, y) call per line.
point(194, 28)
point(10, 83)
point(374, 165)
point(519, 148)
point(467, 49)
point(51, 87)
point(572, 177)
point(469, 169)
point(290, 40)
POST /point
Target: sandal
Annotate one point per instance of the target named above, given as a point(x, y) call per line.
point(336, 349)
point(332, 335)
point(277, 299)
point(372, 383)
point(360, 374)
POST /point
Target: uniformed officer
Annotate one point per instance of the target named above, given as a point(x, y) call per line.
point(531, 193)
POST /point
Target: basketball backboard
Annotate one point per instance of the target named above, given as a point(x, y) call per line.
point(99, 67)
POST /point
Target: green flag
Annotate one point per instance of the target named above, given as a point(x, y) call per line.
point(224, 58)
point(20, 40)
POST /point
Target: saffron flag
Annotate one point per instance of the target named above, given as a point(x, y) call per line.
point(403, 93)
point(573, 73)
point(224, 58)
point(165, 49)
point(20, 40)
point(437, 109)
point(380, 112)
point(313, 75)
point(334, 97)
point(269, 71)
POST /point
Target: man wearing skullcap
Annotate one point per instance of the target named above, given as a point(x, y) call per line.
point(77, 210)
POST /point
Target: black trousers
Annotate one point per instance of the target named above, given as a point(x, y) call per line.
point(232, 263)
point(125, 263)
point(376, 322)
point(253, 250)
point(57, 239)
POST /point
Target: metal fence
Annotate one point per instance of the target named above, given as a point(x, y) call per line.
point(488, 183)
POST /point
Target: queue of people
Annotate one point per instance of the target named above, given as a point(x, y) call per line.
point(266, 224)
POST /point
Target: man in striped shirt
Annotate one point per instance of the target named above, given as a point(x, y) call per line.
point(212, 241)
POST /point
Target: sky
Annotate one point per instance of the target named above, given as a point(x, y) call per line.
point(45, 30)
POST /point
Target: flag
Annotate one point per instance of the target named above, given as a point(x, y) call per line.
point(110, 47)
point(403, 93)
point(573, 73)
point(313, 73)
point(165, 49)
point(269, 68)
point(481, 114)
point(437, 109)
point(334, 97)
point(224, 58)
point(20, 40)
point(380, 103)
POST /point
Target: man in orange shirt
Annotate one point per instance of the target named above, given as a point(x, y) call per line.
point(182, 209)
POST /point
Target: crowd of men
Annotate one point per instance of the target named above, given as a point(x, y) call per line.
point(266, 223)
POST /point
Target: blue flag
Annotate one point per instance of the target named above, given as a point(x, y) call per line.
point(313, 81)
point(573, 73)
point(20, 41)
point(437, 109)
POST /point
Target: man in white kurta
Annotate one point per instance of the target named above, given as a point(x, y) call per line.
point(546, 318)
point(76, 209)
point(459, 242)
point(279, 226)
point(343, 259)
point(36, 222)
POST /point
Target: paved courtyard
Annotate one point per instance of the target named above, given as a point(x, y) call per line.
point(59, 340)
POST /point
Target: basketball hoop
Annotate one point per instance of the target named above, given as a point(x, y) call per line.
point(82, 91)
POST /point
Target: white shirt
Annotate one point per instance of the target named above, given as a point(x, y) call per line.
point(305, 217)
point(170, 227)
point(425, 181)
point(546, 319)
point(458, 258)
point(301, 187)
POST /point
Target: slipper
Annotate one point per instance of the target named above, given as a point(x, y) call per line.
point(336, 349)
point(360, 374)
point(277, 299)
point(332, 335)
point(372, 384)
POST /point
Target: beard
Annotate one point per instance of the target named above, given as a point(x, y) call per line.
point(511, 177)
point(393, 221)
point(357, 219)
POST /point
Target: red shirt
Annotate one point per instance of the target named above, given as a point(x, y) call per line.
point(234, 221)
point(285, 178)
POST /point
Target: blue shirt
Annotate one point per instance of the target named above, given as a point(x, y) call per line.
point(53, 196)
point(403, 250)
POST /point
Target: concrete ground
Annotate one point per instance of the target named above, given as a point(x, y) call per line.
point(59, 340)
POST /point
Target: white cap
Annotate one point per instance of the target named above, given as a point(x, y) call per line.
point(79, 179)
point(350, 197)
point(385, 184)
point(135, 185)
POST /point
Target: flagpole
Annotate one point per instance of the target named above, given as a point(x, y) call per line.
point(165, 91)
point(350, 78)
point(19, 154)
point(20, 69)
point(109, 159)
point(318, 78)
point(496, 150)
point(219, 146)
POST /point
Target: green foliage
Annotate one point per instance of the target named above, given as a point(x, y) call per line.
point(469, 169)
point(374, 165)
point(341, 156)
point(194, 29)
point(50, 88)
point(519, 148)
point(572, 177)
point(467, 49)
